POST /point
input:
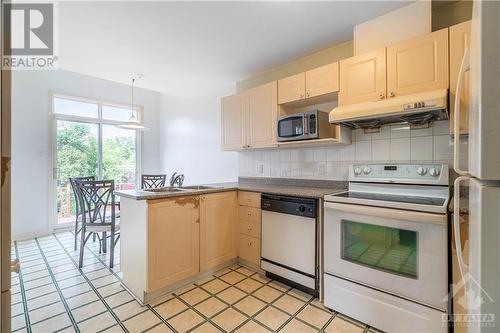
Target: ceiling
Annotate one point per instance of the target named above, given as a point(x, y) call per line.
point(183, 47)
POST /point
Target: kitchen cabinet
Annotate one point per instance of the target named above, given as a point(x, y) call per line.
point(459, 41)
point(173, 241)
point(417, 65)
point(218, 229)
point(292, 88)
point(363, 78)
point(322, 80)
point(248, 119)
point(315, 82)
point(250, 216)
point(233, 124)
point(260, 104)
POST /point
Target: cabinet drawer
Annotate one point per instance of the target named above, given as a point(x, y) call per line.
point(250, 228)
point(251, 199)
point(250, 249)
point(249, 213)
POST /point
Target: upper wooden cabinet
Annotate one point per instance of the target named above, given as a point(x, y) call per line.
point(173, 241)
point(249, 118)
point(315, 82)
point(322, 80)
point(292, 88)
point(459, 41)
point(363, 78)
point(417, 65)
point(218, 229)
point(233, 124)
point(260, 104)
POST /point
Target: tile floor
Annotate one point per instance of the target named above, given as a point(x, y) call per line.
point(52, 295)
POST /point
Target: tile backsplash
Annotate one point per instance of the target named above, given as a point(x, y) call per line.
point(394, 143)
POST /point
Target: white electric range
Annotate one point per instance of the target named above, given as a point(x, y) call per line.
point(385, 247)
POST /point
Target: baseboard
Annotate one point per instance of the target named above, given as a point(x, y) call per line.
point(40, 233)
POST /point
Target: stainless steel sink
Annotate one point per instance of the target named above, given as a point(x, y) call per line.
point(199, 187)
point(164, 189)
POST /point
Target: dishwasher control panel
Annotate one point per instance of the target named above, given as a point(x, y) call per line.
point(289, 205)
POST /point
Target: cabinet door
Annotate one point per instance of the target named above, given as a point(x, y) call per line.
point(363, 78)
point(233, 125)
point(292, 88)
point(459, 40)
point(218, 229)
point(262, 111)
point(417, 65)
point(322, 80)
point(173, 237)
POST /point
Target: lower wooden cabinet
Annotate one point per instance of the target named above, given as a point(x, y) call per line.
point(218, 229)
point(173, 241)
point(250, 249)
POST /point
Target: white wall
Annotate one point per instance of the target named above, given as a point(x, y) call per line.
point(190, 139)
point(31, 142)
point(395, 143)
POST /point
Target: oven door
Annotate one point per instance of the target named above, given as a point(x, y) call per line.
point(292, 128)
point(397, 251)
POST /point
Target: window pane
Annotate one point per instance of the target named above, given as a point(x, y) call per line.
point(75, 108)
point(118, 156)
point(384, 248)
point(114, 113)
point(76, 157)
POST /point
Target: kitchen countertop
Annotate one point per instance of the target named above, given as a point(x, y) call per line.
point(293, 187)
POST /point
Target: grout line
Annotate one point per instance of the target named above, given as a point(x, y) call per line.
point(72, 319)
point(110, 310)
point(23, 293)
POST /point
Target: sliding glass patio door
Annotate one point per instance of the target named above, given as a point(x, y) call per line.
point(87, 142)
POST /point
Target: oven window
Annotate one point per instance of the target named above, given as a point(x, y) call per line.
point(387, 249)
point(290, 127)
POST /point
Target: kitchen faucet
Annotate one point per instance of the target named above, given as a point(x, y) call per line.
point(176, 179)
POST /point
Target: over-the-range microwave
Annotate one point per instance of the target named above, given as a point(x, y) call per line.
point(304, 126)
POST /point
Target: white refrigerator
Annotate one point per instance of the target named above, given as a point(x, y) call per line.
point(480, 271)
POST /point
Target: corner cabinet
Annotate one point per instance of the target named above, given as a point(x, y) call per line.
point(419, 64)
point(218, 229)
point(248, 119)
point(459, 41)
point(173, 241)
point(363, 78)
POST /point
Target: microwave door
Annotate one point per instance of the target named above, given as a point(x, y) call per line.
point(291, 128)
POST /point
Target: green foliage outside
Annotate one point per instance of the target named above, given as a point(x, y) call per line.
point(77, 156)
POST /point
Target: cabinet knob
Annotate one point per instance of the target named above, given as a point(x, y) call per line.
point(393, 94)
point(249, 228)
point(307, 94)
point(381, 96)
point(249, 243)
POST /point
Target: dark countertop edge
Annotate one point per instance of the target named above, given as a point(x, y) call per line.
point(292, 190)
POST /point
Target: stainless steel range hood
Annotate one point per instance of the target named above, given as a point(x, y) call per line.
point(416, 109)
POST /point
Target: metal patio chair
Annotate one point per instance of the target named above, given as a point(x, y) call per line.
point(153, 181)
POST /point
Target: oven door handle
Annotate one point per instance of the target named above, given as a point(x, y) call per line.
point(397, 214)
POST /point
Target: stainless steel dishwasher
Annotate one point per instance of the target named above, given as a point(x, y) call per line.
point(289, 242)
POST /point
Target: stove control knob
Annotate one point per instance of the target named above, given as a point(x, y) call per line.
point(357, 171)
point(367, 170)
point(422, 171)
point(434, 172)
point(302, 208)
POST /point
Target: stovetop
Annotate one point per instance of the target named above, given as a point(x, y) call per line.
point(393, 198)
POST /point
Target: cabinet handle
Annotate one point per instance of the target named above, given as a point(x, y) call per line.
point(197, 221)
point(249, 228)
point(393, 94)
point(249, 214)
point(249, 243)
point(307, 94)
point(381, 96)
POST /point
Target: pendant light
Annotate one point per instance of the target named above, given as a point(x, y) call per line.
point(133, 121)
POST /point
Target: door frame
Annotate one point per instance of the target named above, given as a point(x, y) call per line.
point(53, 118)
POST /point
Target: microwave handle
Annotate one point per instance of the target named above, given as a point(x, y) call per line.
point(305, 124)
